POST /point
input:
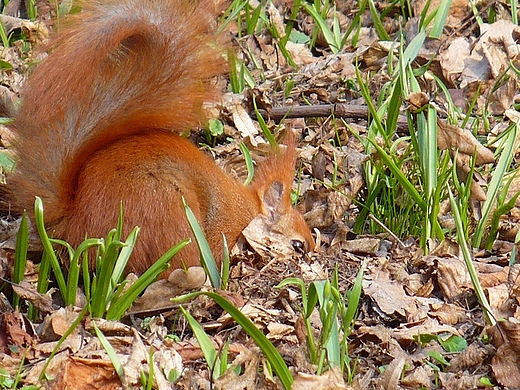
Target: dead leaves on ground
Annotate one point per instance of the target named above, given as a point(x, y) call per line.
point(449, 310)
point(407, 294)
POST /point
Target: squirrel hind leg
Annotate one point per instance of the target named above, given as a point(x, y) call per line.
point(127, 174)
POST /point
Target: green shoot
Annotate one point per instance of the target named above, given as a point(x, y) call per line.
point(249, 163)
point(20, 255)
point(207, 259)
point(461, 240)
point(506, 147)
point(112, 355)
point(104, 293)
point(272, 355)
point(208, 350)
point(337, 314)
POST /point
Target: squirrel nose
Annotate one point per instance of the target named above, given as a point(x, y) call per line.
point(299, 246)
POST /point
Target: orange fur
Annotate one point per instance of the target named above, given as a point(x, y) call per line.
point(92, 132)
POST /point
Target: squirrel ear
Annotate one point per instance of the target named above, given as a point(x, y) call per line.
point(274, 178)
point(275, 200)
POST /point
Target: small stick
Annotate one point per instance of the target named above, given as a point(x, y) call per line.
point(339, 110)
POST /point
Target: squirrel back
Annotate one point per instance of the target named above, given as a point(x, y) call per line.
point(95, 129)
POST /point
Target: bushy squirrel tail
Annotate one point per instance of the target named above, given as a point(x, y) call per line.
point(117, 68)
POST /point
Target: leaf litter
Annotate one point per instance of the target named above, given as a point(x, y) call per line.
point(412, 302)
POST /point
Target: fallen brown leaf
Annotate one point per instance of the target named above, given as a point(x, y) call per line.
point(87, 374)
point(330, 380)
point(27, 291)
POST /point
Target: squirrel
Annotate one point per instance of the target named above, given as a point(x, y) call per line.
point(99, 124)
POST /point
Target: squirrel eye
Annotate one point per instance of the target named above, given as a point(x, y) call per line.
point(298, 246)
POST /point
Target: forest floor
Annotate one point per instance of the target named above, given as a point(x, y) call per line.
point(420, 323)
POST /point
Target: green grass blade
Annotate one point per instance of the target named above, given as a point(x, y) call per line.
point(225, 264)
point(332, 344)
point(118, 308)
point(324, 28)
point(394, 108)
point(509, 145)
point(299, 283)
point(249, 163)
point(20, 255)
point(440, 19)
point(3, 35)
point(75, 267)
point(112, 355)
point(149, 382)
point(461, 240)
point(207, 260)
point(208, 350)
point(47, 246)
point(102, 293)
point(272, 355)
point(263, 125)
point(231, 14)
point(403, 180)
point(124, 255)
point(378, 24)
point(44, 272)
point(413, 48)
point(353, 301)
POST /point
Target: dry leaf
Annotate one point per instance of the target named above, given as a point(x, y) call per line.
point(453, 59)
point(244, 123)
point(506, 365)
point(362, 246)
point(330, 380)
point(27, 291)
point(165, 361)
point(499, 44)
point(389, 295)
point(454, 138)
point(456, 12)
point(428, 326)
point(248, 361)
point(471, 357)
point(390, 378)
point(418, 378)
point(453, 278)
point(157, 295)
point(277, 331)
point(87, 374)
point(449, 314)
point(459, 381)
point(136, 355)
point(14, 332)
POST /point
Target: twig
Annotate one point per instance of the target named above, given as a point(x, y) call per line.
point(340, 110)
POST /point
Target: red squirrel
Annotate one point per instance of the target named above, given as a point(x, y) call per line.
point(98, 126)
